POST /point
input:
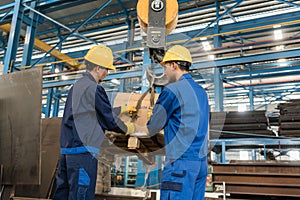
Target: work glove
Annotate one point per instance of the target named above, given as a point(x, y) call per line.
point(149, 112)
point(127, 110)
point(130, 128)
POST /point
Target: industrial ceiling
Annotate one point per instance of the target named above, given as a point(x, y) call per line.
point(249, 57)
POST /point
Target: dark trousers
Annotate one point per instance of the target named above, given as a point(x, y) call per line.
point(76, 178)
point(184, 179)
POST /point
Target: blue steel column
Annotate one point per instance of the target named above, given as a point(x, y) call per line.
point(265, 152)
point(14, 35)
point(218, 92)
point(253, 154)
point(56, 93)
point(49, 102)
point(131, 31)
point(29, 38)
point(251, 93)
point(223, 153)
point(2, 43)
point(125, 174)
point(146, 63)
point(251, 97)
point(218, 83)
point(56, 104)
point(121, 86)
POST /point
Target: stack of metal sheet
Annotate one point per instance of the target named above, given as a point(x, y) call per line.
point(239, 124)
point(276, 178)
point(289, 121)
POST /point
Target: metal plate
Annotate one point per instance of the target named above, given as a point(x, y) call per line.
point(20, 113)
point(50, 156)
point(273, 178)
point(50, 151)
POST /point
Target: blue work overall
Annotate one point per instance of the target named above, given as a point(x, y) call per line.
point(182, 110)
point(87, 115)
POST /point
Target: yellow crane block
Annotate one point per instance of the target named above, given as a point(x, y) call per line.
point(171, 14)
point(39, 44)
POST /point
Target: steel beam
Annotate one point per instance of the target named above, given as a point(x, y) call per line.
point(218, 82)
point(60, 24)
point(214, 22)
point(262, 71)
point(39, 44)
point(254, 142)
point(146, 63)
point(124, 9)
point(49, 102)
point(29, 38)
point(226, 28)
point(289, 3)
point(247, 59)
point(13, 41)
point(56, 103)
point(131, 32)
point(5, 15)
point(73, 31)
point(229, 14)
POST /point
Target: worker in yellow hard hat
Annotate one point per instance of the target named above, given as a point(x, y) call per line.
point(182, 110)
point(87, 115)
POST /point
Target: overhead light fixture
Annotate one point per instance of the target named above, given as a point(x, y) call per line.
point(242, 107)
point(211, 57)
point(278, 32)
point(115, 81)
point(282, 62)
point(280, 47)
point(205, 44)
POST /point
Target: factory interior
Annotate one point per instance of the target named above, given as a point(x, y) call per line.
point(244, 55)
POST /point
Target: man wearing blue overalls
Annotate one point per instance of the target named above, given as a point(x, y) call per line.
point(87, 115)
point(182, 110)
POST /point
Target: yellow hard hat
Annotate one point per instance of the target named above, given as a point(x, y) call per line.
point(177, 53)
point(101, 55)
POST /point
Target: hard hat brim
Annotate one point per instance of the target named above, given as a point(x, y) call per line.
point(111, 67)
point(162, 62)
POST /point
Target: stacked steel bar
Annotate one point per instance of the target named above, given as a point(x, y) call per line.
point(258, 178)
point(289, 121)
point(239, 124)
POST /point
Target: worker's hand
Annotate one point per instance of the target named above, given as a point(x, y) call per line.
point(130, 128)
point(149, 112)
point(127, 110)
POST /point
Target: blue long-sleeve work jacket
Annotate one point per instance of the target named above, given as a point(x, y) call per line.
point(182, 110)
point(87, 115)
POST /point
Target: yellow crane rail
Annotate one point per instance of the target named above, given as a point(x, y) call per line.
point(39, 44)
